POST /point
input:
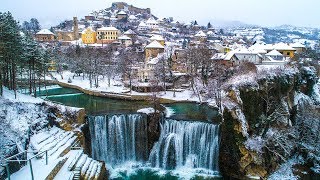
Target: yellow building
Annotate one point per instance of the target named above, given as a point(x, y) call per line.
point(283, 48)
point(89, 36)
point(52, 66)
point(107, 35)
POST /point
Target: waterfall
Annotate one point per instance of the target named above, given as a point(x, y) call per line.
point(116, 139)
point(188, 147)
point(186, 144)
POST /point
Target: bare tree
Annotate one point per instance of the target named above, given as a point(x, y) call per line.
point(198, 66)
point(127, 61)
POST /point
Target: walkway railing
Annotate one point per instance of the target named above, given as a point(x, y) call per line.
point(14, 158)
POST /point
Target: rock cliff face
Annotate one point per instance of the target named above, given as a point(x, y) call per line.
point(253, 111)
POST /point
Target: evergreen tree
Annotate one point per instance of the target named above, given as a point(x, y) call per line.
point(26, 26)
point(34, 25)
point(10, 54)
point(209, 25)
point(195, 23)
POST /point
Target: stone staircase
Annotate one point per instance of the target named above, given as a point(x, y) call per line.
point(66, 159)
point(85, 167)
point(55, 141)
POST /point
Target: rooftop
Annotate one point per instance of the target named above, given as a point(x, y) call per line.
point(87, 29)
point(129, 32)
point(154, 45)
point(274, 53)
point(200, 34)
point(107, 29)
point(45, 31)
point(151, 21)
point(124, 37)
point(122, 13)
point(157, 38)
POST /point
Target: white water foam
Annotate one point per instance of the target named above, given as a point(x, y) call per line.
point(169, 111)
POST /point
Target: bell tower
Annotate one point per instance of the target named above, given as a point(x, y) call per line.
point(75, 28)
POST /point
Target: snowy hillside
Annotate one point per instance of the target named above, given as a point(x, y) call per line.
point(16, 117)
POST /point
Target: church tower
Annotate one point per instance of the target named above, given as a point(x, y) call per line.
point(75, 28)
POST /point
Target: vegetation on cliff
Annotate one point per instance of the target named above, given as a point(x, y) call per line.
point(270, 117)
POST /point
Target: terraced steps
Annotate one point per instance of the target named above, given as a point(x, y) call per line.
point(66, 159)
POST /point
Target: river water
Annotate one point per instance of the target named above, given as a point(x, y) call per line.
point(188, 147)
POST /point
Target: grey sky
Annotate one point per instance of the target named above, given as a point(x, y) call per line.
point(260, 12)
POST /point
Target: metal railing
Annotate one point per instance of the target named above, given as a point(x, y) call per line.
point(76, 145)
point(5, 162)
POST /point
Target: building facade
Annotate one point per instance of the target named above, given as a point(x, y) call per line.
point(45, 35)
point(89, 36)
point(107, 35)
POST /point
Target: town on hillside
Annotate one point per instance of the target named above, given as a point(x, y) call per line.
point(160, 49)
point(123, 94)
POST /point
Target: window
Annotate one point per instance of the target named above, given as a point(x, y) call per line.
point(288, 53)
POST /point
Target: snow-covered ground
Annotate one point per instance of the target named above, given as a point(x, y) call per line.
point(25, 116)
point(56, 141)
point(16, 117)
point(285, 171)
point(9, 95)
point(117, 87)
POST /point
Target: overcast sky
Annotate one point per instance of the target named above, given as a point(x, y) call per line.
point(259, 12)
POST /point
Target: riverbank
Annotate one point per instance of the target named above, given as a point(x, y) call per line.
point(117, 90)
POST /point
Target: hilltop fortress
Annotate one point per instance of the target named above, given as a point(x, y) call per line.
point(131, 8)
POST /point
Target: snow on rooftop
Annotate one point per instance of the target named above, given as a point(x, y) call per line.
point(274, 53)
point(157, 38)
point(108, 29)
point(87, 29)
point(129, 32)
point(155, 44)
point(124, 37)
point(200, 34)
point(142, 24)
point(297, 45)
point(122, 13)
point(282, 46)
point(244, 51)
point(218, 56)
point(229, 55)
point(45, 32)
point(132, 17)
point(151, 21)
point(210, 33)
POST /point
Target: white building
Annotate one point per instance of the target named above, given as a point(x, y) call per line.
point(125, 40)
point(152, 24)
point(142, 26)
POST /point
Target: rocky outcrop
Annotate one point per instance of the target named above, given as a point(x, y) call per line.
point(252, 111)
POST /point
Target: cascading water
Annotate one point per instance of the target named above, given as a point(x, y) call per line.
point(116, 139)
point(120, 140)
point(186, 144)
